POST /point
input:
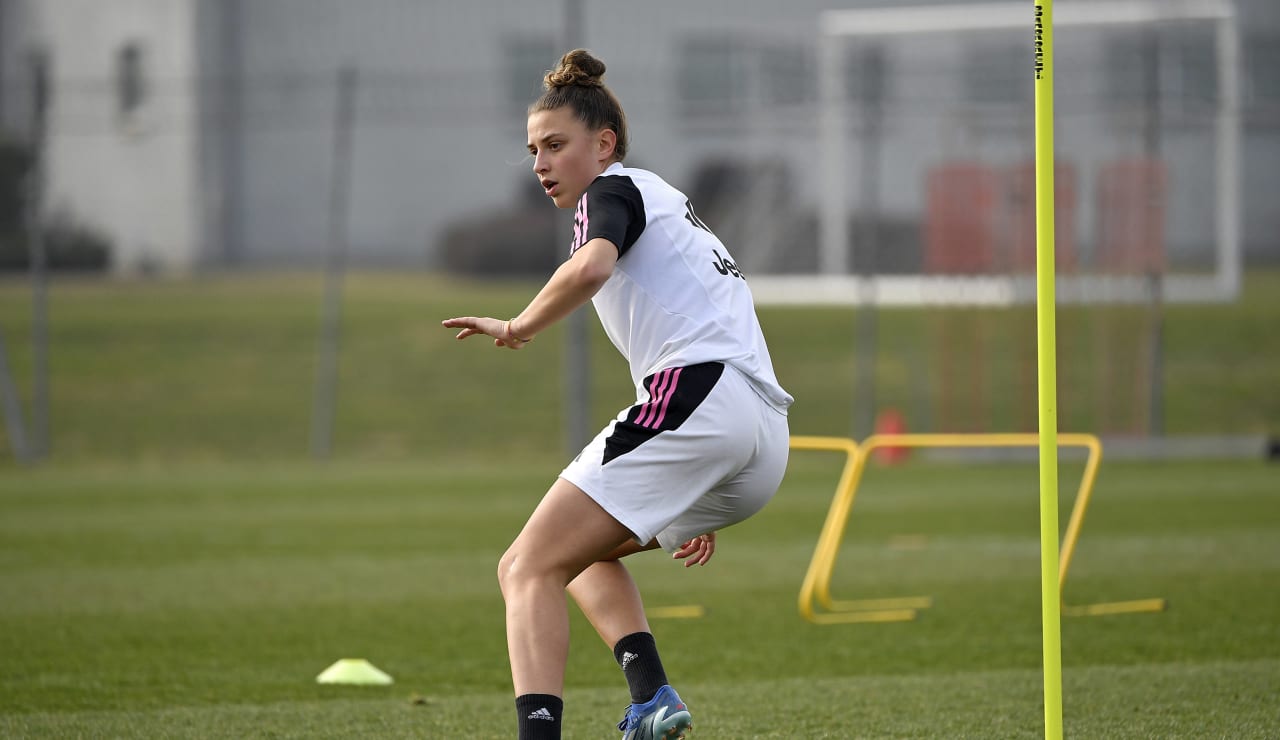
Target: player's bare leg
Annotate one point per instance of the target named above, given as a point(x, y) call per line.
point(609, 597)
point(565, 534)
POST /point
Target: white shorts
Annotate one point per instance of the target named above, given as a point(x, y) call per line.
point(699, 451)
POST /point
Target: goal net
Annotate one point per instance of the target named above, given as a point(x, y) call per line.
point(925, 163)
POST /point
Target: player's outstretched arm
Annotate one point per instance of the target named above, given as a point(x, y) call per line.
point(500, 329)
point(573, 284)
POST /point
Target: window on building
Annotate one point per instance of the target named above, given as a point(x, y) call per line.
point(1179, 69)
point(787, 75)
point(1189, 68)
point(718, 76)
point(866, 73)
point(131, 81)
point(526, 60)
point(1125, 70)
point(992, 74)
point(40, 64)
point(713, 76)
point(1262, 74)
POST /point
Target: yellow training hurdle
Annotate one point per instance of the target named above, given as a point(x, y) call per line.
point(816, 604)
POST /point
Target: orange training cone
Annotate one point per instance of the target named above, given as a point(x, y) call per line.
point(889, 422)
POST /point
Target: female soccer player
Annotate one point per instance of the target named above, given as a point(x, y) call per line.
point(705, 444)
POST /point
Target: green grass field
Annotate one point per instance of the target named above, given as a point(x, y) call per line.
point(178, 568)
point(202, 601)
point(223, 369)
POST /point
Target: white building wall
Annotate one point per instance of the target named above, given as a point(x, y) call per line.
point(130, 177)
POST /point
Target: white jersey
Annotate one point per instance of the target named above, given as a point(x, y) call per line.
point(676, 297)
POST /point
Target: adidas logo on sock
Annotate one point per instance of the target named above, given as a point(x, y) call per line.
point(542, 714)
point(627, 658)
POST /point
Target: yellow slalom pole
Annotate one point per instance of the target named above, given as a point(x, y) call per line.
point(1047, 361)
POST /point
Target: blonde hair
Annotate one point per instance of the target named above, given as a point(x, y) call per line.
point(578, 82)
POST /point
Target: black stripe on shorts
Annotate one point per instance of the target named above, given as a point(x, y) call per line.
point(674, 394)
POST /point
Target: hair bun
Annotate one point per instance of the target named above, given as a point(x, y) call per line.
point(577, 67)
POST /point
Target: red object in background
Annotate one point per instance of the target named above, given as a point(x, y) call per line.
point(890, 422)
point(960, 222)
point(1131, 207)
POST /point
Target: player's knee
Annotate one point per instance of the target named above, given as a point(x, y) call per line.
point(515, 569)
point(518, 570)
point(506, 570)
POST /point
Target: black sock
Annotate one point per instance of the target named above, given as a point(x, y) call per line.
point(637, 653)
point(539, 716)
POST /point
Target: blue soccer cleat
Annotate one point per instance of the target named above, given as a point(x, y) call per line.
point(664, 717)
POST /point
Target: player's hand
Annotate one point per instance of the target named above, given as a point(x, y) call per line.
point(499, 329)
point(697, 551)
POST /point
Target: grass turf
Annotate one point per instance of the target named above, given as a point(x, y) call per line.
point(176, 570)
point(222, 368)
point(202, 600)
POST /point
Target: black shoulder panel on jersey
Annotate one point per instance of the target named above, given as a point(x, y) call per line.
point(614, 210)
